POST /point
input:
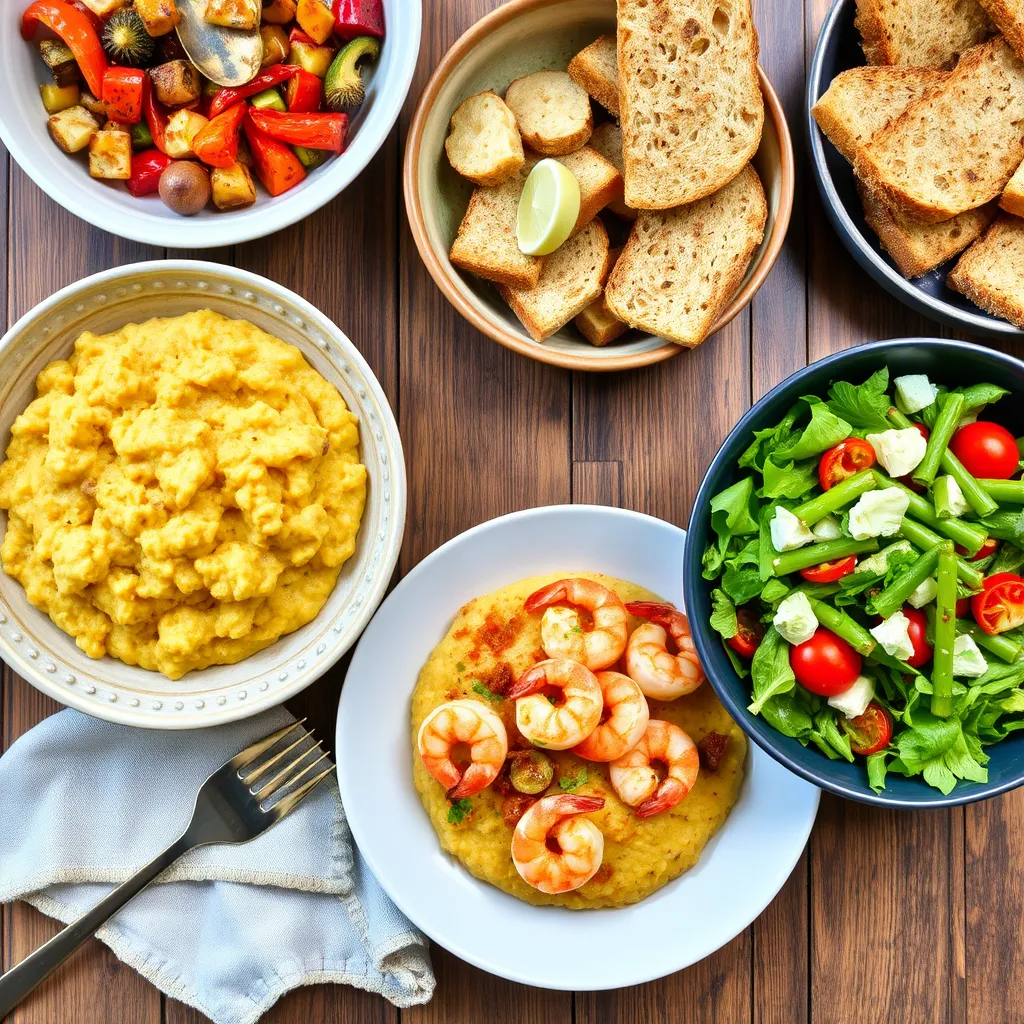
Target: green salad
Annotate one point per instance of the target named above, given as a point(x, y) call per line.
point(866, 568)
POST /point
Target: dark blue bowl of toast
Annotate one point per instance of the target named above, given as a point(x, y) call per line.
point(838, 49)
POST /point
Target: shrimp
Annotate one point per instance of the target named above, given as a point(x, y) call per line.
point(554, 849)
point(624, 719)
point(661, 674)
point(562, 633)
point(468, 722)
point(576, 712)
point(634, 778)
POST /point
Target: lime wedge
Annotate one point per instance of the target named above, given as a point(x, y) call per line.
point(548, 208)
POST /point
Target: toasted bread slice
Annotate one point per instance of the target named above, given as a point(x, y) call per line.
point(607, 140)
point(681, 267)
point(1013, 195)
point(596, 69)
point(1008, 17)
point(484, 144)
point(600, 183)
point(956, 147)
point(596, 323)
point(991, 272)
point(917, 34)
point(552, 111)
point(486, 244)
point(861, 101)
point(692, 110)
point(571, 280)
point(917, 247)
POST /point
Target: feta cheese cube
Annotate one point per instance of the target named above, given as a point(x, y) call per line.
point(894, 636)
point(855, 700)
point(788, 532)
point(878, 513)
point(878, 563)
point(924, 594)
point(968, 661)
point(949, 498)
point(827, 529)
point(795, 619)
point(900, 451)
point(914, 392)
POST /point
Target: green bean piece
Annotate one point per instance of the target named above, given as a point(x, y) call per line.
point(1001, 646)
point(844, 493)
point(979, 498)
point(938, 441)
point(890, 600)
point(844, 627)
point(945, 634)
point(967, 535)
point(922, 538)
point(1011, 491)
point(815, 554)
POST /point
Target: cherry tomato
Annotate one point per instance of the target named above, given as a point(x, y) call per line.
point(1000, 605)
point(848, 457)
point(918, 631)
point(829, 572)
point(986, 450)
point(988, 548)
point(870, 732)
point(748, 636)
point(908, 481)
point(826, 664)
point(963, 606)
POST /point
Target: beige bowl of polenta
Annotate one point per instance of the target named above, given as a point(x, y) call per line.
point(202, 492)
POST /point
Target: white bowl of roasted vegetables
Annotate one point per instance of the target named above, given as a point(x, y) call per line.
point(192, 123)
point(854, 573)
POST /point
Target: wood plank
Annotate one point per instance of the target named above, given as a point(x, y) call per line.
point(320, 1003)
point(597, 483)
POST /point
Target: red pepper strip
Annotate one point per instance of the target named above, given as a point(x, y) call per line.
point(277, 166)
point(298, 36)
point(155, 115)
point(216, 143)
point(77, 32)
point(314, 131)
point(123, 90)
point(146, 170)
point(358, 18)
point(274, 75)
point(303, 93)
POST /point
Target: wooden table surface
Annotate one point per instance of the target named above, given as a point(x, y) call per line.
point(889, 917)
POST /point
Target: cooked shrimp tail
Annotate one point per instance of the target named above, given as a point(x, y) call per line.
point(474, 725)
point(635, 780)
point(553, 848)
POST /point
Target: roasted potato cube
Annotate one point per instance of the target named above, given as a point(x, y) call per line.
point(279, 12)
point(182, 128)
point(176, 83)
point(275, 45)
point(73, 128)
point(315, 19)
point(96, 107)
point(314, 59)
point(61, 62)
point(110, 155)
point(56, 99)
point(232, 187)
point(116, 126)
point(233, 13)
point(104, 8)
point(159, 16)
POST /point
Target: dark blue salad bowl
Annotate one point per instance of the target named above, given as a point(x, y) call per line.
point(946, 362)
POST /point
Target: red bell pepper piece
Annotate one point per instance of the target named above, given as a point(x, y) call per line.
point(77, 32)
point(146, 170)
point(216, 143)
point(298, 36)
point(314, 131)
point(277, 166)
point(123, 91)
point(358, 18)
point(303, 93)
point(274, 75)
point(155, 115)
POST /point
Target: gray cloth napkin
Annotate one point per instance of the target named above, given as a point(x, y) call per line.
point(228, 929)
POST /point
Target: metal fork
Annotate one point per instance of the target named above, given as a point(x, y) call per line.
point(237, 803)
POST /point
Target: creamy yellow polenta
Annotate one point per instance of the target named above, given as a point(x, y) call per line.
point(181, 492)
point(493, 640)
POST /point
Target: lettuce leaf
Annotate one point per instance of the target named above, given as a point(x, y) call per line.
point(864, 406)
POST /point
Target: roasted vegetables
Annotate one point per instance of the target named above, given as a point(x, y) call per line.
point(126, 40)
point(159, 16)
point(232, 187)
point(146, 170)
point(182, 128)
point(263, 81)
point(233, 13)
point(344, 90)
point(110, 155)
point(123, 90)
point(60, 62)
point(313, 131)
point(76, 30)
point(308, 55)
point(303, 93)
point(176, 83)
point(216, 143)
point(279, 12)
point(275, 45)
point(359, 18)
point(72, 129)
point(56, 99)
point(276, 165)
point(185, 187)
point(315, 19)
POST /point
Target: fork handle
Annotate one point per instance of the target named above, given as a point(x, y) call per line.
point(16, 984)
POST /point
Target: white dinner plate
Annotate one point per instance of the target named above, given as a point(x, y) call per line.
point(739, 872)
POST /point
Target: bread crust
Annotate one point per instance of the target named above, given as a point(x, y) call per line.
point(1012, 199)
point(999, 253)
point(934, 35)
point(588, 70)
point(549, 139)
point(463, 152)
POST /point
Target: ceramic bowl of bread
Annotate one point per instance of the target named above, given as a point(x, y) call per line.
point(655, 138)
point(918, 148)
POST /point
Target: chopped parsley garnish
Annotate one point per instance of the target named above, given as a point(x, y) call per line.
point(576, 629)
point(458, 811)
point(459, 667)
point(571, 782)
point(486, 693)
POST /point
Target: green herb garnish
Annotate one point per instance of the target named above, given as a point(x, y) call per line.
point(571, 782)
point(487, 693)
point(458, 811)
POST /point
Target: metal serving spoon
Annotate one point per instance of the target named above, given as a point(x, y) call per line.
point(227, 56)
